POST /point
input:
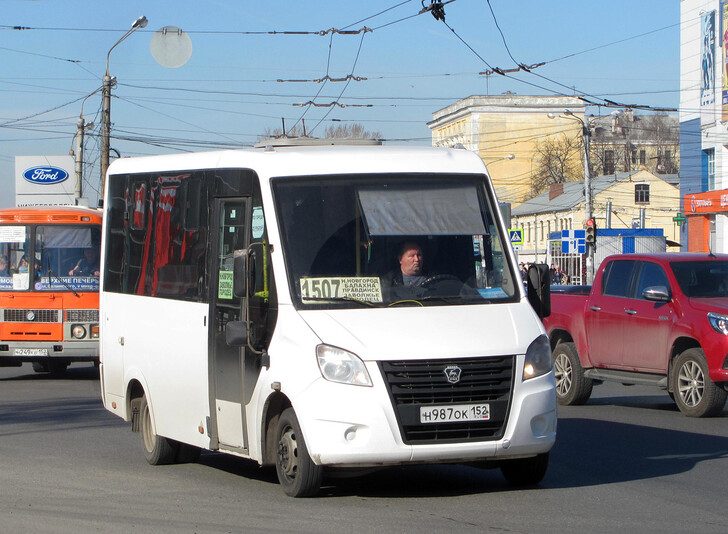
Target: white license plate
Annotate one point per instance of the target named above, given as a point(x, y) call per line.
point(454, 413)
point(31, 352)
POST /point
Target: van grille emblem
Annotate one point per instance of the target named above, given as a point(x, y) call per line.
point(452, 373)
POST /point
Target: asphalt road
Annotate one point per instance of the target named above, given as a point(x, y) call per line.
point(628, 461)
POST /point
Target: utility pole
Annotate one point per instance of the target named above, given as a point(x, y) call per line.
point(105, 127)
point(586, 134)
point(78, 194)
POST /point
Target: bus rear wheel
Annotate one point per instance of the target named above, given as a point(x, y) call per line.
point(297, 473)
point(158, 450)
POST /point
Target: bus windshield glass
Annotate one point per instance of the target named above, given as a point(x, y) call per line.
point(62, 257)
point(392, 240)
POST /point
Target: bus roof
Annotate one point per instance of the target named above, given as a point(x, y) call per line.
point(298, 160)
point(52, 214)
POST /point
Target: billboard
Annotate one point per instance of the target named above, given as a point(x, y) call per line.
point(44, 181)
point(707, 69)
point(724, 45)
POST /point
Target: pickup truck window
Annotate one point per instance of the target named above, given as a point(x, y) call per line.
point(617, 278)
point(702, 279)
point(651, 275)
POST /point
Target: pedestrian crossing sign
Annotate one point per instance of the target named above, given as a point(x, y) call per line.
point(515, 235)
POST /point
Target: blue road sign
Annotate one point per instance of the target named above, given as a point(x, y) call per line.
point(515, 235)
point(573, 241)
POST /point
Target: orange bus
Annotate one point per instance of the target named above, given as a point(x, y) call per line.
point(49, 287)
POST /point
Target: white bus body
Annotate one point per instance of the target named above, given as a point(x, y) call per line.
point(246, 308)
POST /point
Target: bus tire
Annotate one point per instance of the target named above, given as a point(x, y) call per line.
point(525, 471)
point(40, 367)
point(158, 450)
point(297, 474)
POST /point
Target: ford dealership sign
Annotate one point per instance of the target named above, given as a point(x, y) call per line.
point(46, 175)
point(45, 181)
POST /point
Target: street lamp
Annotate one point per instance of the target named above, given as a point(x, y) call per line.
point(586, 135)
point(141, 22)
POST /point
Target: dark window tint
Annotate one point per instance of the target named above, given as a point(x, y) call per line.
point(157, 242)
point(651, 275)
point(617, 278)
point(702, 279)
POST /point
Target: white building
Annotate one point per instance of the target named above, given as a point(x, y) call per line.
point(704, 124)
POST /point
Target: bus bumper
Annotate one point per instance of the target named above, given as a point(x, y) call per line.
point(364, 431)
point(13, 353)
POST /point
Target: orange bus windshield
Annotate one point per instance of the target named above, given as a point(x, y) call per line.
point(49, 256)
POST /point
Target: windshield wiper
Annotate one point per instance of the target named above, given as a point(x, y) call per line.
point(341, 299)
point(52, 275)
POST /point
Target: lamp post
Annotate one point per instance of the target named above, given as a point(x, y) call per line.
point(141, 22)
point(586, 135)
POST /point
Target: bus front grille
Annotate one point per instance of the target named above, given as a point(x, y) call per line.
point(416, 383)
point(31, 316)
point(82, 316)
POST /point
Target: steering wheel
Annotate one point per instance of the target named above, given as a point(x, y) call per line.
point(438, 278)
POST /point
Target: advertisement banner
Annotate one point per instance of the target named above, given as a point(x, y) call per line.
point(707, 69)
point(44, 181)
point(706, 202)
point(724, 44)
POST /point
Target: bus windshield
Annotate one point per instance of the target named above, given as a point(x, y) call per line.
point(62, 257)
point(392, 239)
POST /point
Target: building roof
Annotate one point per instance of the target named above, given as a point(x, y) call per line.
point(573, 194)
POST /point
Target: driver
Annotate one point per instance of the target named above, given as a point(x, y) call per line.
point(411, 262)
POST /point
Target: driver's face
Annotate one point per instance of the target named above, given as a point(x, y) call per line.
point(411, 261)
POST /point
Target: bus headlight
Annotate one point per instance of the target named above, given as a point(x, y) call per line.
point(539, 360)
point(339, 365)
point(78, 331)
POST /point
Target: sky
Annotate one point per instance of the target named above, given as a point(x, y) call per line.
point(248, 72)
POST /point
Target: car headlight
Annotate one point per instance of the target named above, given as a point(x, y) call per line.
point(719, 323)
point(339, 365)
point(539, 360)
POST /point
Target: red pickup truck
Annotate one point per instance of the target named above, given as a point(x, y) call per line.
point(659, 319)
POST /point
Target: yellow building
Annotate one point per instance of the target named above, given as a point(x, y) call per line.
point(638, 199)
point(505, 131)
point(624, 142)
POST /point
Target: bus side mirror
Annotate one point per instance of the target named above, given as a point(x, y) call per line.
point(236, 333)
point(538, 287)
point(240, 268)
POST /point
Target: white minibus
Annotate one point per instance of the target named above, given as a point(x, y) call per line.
point(321, 309)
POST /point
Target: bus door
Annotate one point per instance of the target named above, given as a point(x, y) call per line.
point(227, 369)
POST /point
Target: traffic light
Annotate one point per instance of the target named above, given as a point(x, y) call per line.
point(591, 233)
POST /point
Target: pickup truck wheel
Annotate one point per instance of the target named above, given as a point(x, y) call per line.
point(696, 395)
point(572, 387)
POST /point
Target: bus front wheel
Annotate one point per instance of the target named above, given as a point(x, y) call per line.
point(297, 473)
point(158, 450)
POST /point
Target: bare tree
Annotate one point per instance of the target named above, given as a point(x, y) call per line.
point(296, 131)
point(350, 131)
point(339, 131)
point(558, 160)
